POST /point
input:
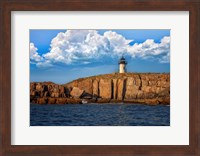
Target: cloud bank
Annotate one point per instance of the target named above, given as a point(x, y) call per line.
point(76, 46)
point(34, 56)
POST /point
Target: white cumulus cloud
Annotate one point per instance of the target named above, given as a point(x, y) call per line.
point(85, 46)
point(34, 56)
point(150, 49)
point(76, 45)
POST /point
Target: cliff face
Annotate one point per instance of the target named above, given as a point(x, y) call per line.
point(127, 87)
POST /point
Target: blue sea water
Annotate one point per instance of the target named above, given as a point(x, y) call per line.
point(99, 115)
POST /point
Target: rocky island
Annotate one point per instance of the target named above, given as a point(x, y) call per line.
point(144, 88)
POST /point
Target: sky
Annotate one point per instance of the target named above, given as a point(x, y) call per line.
point(61, 56)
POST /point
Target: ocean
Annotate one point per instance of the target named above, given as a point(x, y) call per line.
point(99, 115)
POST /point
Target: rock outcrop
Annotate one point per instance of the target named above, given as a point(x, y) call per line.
point(147, 88)
point(48, 89)
point(105, 88)
point(76, 92)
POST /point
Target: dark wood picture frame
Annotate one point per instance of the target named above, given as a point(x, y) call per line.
point(6, 6)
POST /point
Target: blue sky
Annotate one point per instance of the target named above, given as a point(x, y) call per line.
point(61, 56)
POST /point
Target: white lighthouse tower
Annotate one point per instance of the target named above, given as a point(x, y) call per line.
point(122, 65)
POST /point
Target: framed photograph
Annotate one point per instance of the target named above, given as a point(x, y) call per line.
point(99, 78)
point(103, 77)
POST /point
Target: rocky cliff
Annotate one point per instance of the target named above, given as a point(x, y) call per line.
point(147, 88)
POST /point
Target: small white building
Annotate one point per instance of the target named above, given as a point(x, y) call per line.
point(122, 65)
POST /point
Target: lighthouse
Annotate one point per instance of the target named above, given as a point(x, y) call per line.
point(122, 65)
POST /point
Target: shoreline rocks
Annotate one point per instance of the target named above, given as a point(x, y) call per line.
point(145, 88)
